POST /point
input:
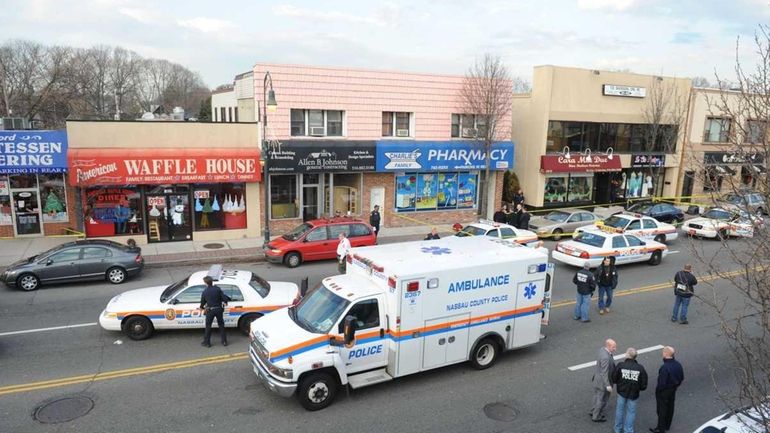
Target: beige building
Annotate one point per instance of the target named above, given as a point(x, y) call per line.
point(583, 137)
point(724, 145)
point(236, 102)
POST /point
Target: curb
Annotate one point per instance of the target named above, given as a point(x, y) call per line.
point(205, 261)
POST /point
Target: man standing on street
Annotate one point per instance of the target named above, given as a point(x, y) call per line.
point(586, 284)
point(605, 367)
point(342, 252)
point(629, 378)
point(524, 218)
point(670, 376)
point(214, 302)
point(374, 220)
point(607, 280)
point(684, 282)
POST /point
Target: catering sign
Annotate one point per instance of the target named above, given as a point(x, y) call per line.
point(33, 152)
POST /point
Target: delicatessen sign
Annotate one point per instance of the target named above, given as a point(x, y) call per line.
point(159, 166)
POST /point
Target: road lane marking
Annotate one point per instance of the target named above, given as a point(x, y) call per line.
point(616, 358)
point(53, 328)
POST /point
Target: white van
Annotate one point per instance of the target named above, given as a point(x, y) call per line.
point(402, 309)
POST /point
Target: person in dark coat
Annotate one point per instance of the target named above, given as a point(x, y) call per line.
point(607, 279)
point(630, 378)
point(670, 376)
point(513, 217)
point(501, 216)
point(518, 198)
point(684, 289)
point(432, 235)
point(213, 301)
point(374, 219)
point(524, 218)
point(586, 284)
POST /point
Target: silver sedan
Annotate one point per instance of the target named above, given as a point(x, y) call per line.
point(558, 222)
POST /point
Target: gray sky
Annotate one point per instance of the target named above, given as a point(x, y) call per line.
point(222, 38)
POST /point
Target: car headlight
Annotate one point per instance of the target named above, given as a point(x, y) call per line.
point(275, 251)
point(108, 315)
point(285, 373)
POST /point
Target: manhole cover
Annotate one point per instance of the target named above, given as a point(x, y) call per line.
point(63, 410)
point(501, 411)
point(214, 246)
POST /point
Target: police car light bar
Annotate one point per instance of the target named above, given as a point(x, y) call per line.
point(215, 272)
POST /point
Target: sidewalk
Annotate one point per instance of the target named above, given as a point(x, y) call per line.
point(192, 252)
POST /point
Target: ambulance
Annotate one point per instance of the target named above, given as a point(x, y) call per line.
point(402, 309)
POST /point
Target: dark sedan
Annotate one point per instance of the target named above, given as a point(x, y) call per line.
point(663, 212)
point(76, 261)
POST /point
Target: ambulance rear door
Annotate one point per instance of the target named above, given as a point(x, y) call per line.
point(529, 299)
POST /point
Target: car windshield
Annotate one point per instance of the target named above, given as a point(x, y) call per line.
point(319, 310)
point(471, 231)
point(297, 232)
point(641, 208)
point(616, 222)
point(557, 216)
point(734, 199)
point(718, 214)
point(172, 289)
point(260, 285)
point(588, 238)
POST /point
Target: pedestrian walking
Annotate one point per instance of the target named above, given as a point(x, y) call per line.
point(586, 285)
point(607, 279)
point(518, 198)
point(670, 376)
point(524, 218)
point(630, 379)
point(602, 379)
point(343, 247)
point(501, 216)
point(374, 220)
point(432, 235)
point(684, 283)
point(213, 302)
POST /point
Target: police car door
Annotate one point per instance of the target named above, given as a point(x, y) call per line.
point(186, 304)
point(369, 349)
point(234, 308)
point(649, 228)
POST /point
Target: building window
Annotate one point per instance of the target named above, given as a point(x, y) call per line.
point(229, 114)
point(555, 189)
point(717, 130)
point(283, 196)
point(712, 179)
point(219, 206)
point(436, 191)
point(638, 183)
point(623, 138)
point(755, 131)
point(608, 135)
point(574, 138)
point(113, 211)
point(342, 193)
point(638, 138)
point(222, 114)
point(236, 113)
point(317, 123)
point(396, 124)
point(566, 188)
point(555, 138)
point(466, 126)
point(580, 188)
point(53, 198)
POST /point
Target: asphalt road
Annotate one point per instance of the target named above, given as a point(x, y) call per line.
point(171, 384)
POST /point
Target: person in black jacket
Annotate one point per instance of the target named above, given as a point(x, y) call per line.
point(630, 379)
point(670, 376)
point(586, 284)
point(607, 280)
point(518, 198)
point(684, 288)
point(524, 218)
point(513, 217)
point(214, 300)
point(374, 220)
point(432, 235)
point(501, 216)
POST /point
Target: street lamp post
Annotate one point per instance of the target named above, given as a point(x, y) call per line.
point(268, 103)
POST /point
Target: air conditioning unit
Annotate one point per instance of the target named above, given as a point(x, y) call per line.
point(317, 131)
point(469, 132)
point(402, 133)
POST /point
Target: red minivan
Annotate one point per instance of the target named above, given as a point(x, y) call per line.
point(317, 240)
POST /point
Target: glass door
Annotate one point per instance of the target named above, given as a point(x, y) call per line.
point(168, 217)
point(26, 207)
point(310, 203)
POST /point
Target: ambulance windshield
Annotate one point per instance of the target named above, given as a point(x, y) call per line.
point(319, 310)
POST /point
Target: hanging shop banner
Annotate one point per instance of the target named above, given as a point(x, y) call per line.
point(407, 155)
point(578, 163)
point(314, 156)
point(159, 166)
point(733, 158)
point(33, 152)
point(648, 160)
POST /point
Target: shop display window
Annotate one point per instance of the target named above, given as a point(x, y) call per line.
point(555, 189)
point(219, 206)
point(6, 218)
point(638, 183)
point(283, 196)
point(112, 211)
point(436, 191)
point(346, 197)
point(447, 190)
point(427, 191)
point(53, 198)
point(580, 188)
point(467, 190)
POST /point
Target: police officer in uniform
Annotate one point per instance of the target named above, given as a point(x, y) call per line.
point(214, 302)
point(586, 284)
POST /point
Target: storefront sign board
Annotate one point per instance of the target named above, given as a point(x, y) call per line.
point(315, 156)
point(579, 163)
point(733, 158)
point(409, 155)
point(627, 91)
point(33, 152)
point(645, 160)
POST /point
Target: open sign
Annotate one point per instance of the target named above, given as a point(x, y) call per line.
point(156, 201)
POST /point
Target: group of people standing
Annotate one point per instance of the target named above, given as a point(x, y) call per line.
point(517, 215)
point(629, 379)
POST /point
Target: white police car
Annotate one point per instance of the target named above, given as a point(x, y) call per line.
point(745, 420)
point(140, 312)
point(500, 231)
point(723, 223)
point(638, 225)
point(592, 246)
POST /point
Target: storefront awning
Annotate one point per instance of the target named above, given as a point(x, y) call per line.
point(163, 166)
point(724, 170)
point(579, 163)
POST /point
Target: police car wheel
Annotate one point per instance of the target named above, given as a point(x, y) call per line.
point(293, 260)
point(656, 257)
point(116, 275)
point(484, 354)
point(28, 282)
point(138, 328)
point(244, 324)
point(660, 238)
point(316, 391)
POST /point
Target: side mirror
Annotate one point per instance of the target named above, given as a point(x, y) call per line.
point(350, 330)
point(174, 301)
point(49, 262)
point(303, 287)
point(644, 243)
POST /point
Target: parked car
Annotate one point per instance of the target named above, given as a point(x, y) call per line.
point(592, 246)
point(498, 230)
point(744, 420)
point(663, 212)
point(76, 261)
point(558, 222)
point(138, 313)
point(633, 224)
point(317, 240)
point(722, 223)
point(745, 200)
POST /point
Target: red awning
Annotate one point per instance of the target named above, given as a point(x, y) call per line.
point(159, 166)
point(579, 163)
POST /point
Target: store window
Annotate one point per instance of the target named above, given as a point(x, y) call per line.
point(555, 137)
point(756, 131)
point(53, 198)
point(436, 191)
point(717, 130)
point(6, 219)
point(555, 189)
point(20, 181)
point(113, 211)
point(283, 196)
point(639, 183)
point(712, 179)
point(345, 193)
point(565, 188)
point(580, 188)
point(219, 206)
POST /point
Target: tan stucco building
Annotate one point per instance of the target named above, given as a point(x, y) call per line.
point(580, 137)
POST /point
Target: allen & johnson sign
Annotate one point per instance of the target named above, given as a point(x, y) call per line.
point(579, 163)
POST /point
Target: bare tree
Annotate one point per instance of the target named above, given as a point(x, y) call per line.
point(486, 94)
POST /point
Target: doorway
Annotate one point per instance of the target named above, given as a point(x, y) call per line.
point(311, 190)
point(687, 186)
point(602, 190)
point(26, 212)
point(168, 214)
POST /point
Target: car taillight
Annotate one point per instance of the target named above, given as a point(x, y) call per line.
point(583, 254)
point(349, 258)
point(138, 259)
